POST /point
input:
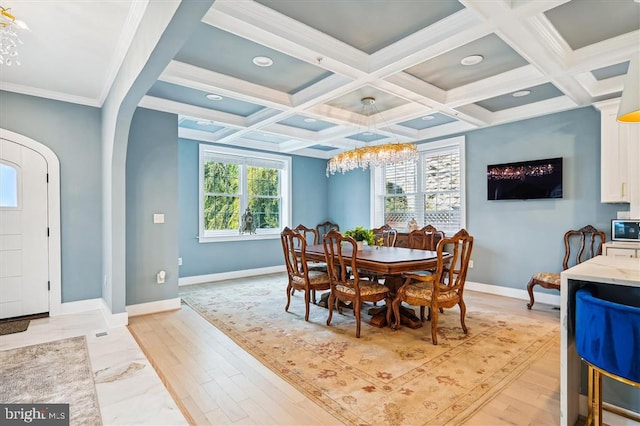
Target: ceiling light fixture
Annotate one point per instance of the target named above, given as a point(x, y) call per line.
point(213, 97)
point(521, 93)
point(472, 60)
point(263, 61)
point(629, 110)
point(9, 40)
point(310, 120)
point(428, 117)
point(371, 156)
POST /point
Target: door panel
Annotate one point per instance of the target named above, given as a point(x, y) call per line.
point(24, 257)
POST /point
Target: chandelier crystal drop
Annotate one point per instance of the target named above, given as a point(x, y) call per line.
point(372, 156)
point(9, 38)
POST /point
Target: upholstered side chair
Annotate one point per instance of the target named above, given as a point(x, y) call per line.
point(583, 243)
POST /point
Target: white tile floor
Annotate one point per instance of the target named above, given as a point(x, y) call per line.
point(129, 390)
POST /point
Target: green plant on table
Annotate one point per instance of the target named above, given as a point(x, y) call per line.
point(361, 234)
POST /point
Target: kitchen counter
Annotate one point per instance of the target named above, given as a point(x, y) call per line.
point(601, 270)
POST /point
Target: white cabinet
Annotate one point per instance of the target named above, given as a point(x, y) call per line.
point(619, 158)
point(615, 249)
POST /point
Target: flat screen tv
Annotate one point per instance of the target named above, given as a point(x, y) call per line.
point(525, 180)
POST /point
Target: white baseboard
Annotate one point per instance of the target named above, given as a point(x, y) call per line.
point(80, 306)
point(114, 320)
point(550, 299)
point(153, 307)
point(199, 279)
point(609, 418)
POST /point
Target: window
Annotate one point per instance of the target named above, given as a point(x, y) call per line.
point(8, 186)
point(232, 181)
point(431, 190)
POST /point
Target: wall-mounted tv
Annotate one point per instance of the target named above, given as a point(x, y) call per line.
point(525, 180)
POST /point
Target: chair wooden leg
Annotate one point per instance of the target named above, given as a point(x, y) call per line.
point(532, 283)
point(356, 310)
point(330, 306)
point(434, 325)
point(463, 312)
point(422, 310)
point(313, 294)
point(289, 291)
point(395, 304)
point(307, 297)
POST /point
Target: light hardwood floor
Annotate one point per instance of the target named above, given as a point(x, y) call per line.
point(215, 382)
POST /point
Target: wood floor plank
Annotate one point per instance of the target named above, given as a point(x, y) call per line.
point(219, 383)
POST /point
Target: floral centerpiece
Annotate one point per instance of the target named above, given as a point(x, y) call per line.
point(361, 234)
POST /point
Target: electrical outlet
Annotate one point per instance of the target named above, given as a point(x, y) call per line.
point(160, 277)
point(471, 264)
point(179, 261)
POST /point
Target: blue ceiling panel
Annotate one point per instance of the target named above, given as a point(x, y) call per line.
point(538, 93)
point(161, 89)
point(366, 137)
point(200, 125)
point(323, 147)
point(299, 122)
point(422, 123)
point(265, 137)
point(232, 55)
point(611, 71)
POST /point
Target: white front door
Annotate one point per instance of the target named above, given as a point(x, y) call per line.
point(24, 257)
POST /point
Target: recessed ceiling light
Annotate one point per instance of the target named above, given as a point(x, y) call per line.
point(472, 60)
point(203, 122)
point(428, 117)
point(310, 120)
point(263, 61)
point(213, 97)
point(521, 93)
point(368, 134)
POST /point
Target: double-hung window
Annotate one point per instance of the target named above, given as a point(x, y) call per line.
point(234, 182)
point(429, 190)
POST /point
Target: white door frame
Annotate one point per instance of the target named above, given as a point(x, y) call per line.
point(53, 214)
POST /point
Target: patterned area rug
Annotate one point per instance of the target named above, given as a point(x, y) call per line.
point(386, 376)
point(56, 372)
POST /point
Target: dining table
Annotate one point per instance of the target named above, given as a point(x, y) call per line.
point(390, 263)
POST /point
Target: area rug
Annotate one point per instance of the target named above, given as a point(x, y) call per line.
point(10, 327)
point(385, 376)
point(56, 372)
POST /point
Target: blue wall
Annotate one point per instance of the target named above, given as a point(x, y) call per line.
point(152, 187)
point(73, 133)
point(309, 187)
point(349, 199)
point(513, 239)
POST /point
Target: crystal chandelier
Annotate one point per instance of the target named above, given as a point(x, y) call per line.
point(9, 39)
point(371, 156)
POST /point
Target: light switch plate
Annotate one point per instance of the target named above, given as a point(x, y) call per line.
point(158, 218)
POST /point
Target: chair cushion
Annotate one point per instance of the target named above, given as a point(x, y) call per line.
point(425, 291)
point(608, 334)
point(315, 277)
point(367, 288)
point(548, 277)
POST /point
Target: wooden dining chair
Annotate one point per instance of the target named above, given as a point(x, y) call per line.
point(324, 228)
point(442, 289)
point(388, 237)
point(387, 234)
point(345, 286)
point(300, 277)
point(426, 238)
point(575, 241)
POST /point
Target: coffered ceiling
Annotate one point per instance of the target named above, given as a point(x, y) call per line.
point(329, 54)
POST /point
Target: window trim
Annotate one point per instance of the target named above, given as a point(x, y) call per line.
point(378, 180)
point(18, 188)
point(286, 187)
